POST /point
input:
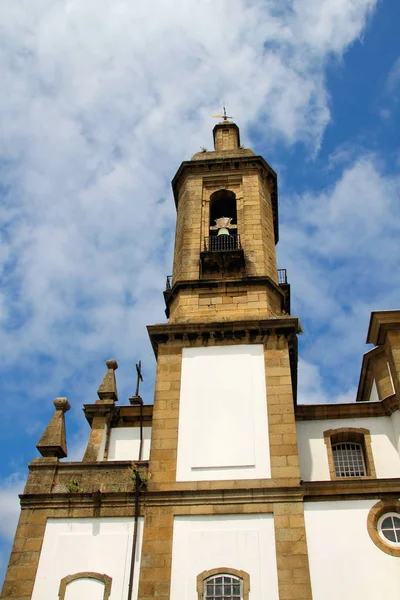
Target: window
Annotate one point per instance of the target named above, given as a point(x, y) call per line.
point(223, 584)
point(223, 587)
point(348, 460)
point(349, 452)
point(389, 528)
point(383, 525)
point(222, 204)
point(88, 583)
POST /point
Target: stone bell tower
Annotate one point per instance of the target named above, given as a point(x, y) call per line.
point(226, 231)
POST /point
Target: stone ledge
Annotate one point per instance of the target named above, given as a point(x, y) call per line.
point(351, 410)
point(350, 489)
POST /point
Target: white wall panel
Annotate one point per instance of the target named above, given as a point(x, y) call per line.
point(223, 422)
point(75, 545)
point(313, 454)
point(243, 542)
point(344, 562)
point(125, 441)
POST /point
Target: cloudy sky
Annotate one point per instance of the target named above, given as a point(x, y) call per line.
point(101, 100)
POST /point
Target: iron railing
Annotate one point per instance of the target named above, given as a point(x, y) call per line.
point(168, 286)
point(282, 276)
point(222, 243)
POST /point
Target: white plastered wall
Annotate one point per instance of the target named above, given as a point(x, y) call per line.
point(223, 421)
point(101, 545)
point(125, 442)
point(313, 455)
point(344, 562)
point(395, 417)
point(242, 542)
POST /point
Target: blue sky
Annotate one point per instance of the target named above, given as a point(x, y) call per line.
point(101, 102)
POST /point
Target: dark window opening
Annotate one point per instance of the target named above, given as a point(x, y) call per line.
point(222, 204)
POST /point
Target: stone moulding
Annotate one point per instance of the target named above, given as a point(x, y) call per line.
point(351, 410)
point(358, 435)
point(379, 509)
point(225, 331)
point(105, 579)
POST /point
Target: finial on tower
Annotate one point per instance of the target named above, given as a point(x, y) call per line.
point(53, 441)
point(226, 133)
point(107, 391)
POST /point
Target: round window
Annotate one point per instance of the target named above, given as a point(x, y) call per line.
point(389, 528)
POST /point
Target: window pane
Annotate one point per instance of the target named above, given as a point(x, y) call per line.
point(387, 523)
point(389, 535)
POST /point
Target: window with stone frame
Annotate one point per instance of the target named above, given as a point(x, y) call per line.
point(223, 584)
point(349, 453)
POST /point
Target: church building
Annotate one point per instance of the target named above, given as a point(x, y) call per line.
point(225, 488)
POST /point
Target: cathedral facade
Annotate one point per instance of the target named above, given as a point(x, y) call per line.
point(225, 488)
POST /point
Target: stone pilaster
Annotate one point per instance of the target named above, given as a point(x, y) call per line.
point(155, 570)
point(281, 416)
point(291, 552)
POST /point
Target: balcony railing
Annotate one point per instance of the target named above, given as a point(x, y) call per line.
point(282, 276)
point(222, 243)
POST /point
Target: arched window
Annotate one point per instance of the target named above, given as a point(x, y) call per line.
point(349, 452)
point(85, 584)
point(222, 204)
point(223, 584)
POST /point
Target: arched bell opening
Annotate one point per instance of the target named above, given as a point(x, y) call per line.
point(223, 220)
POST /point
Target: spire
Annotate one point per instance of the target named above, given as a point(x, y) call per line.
point(107, 391)
point(53, 441)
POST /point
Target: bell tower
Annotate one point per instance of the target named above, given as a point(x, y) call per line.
point(226, 232)
point(224, 440)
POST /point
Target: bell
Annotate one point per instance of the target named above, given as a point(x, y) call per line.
point(223, 231)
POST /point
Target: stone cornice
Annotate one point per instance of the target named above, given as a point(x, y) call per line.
point(348, 489)
point(380, 322)
point(308, 491)
point(254, 331)
point(211, 165)
point(126, 414)
point(350, 410)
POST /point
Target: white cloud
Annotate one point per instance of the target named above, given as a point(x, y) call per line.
point(103, 101)
point(342, 252)
point(10, 487)
point(313, 389)
point(393, 78)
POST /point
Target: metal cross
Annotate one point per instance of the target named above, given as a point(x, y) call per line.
point(139, 376)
